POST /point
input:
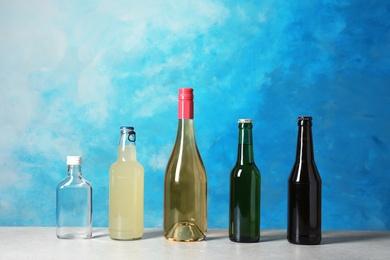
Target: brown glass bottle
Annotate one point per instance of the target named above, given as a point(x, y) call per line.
point(304, 191)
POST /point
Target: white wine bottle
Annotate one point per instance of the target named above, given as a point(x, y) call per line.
point(126, 199)
point(185, 184)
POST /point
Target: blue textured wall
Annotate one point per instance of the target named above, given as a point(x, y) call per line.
point(72, 72)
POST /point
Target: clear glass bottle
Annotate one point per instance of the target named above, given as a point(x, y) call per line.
point(245, 180)
point(185, 184)
point(126, 195)
point(304, 191)
point(74, 203)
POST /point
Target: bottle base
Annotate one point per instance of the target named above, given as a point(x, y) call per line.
point(185, 232)
point(125, 236)
point(304, 240)
point(125, 239)
point(243, 239)
point(74, 233)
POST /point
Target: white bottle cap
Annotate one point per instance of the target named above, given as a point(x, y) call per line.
point(73, 160)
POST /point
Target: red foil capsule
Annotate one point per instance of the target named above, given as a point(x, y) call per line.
point(186, 103)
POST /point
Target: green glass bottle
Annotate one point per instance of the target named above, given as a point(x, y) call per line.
point(245, 180)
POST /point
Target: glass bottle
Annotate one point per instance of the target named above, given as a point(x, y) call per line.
point(126, 191)
point(304, 191)
point(185, 184)
point(245, 181)
point(74, 203)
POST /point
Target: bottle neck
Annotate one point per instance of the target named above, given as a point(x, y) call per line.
point(245, 144)
point(185, 130)
point(74, 170)
point(126, 148)
point(305, 151)
point(185, 133)
point(186, 109)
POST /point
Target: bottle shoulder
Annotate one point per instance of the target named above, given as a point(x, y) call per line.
point(244, 166)
point(64, 182)
point(249, 168)
point(186, 151)
point(74, 182)
point(128, 163)
point(127, 168)
point(305, 172)
point(189, 163)
point(185, 155)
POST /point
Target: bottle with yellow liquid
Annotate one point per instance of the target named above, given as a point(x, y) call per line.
point(126, 196)
point(185, 184)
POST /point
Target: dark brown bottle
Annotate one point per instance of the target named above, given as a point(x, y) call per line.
point(304, 191)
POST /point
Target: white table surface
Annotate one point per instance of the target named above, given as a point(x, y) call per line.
point(42, 243)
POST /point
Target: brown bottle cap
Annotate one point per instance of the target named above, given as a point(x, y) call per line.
point(304, 120)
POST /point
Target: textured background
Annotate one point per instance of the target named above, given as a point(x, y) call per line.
point(72, 72)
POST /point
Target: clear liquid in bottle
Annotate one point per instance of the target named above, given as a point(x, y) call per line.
point(74, 203)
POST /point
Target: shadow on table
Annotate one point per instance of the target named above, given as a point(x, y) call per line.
point(265, 236)
point(273, 235)
point(336, 237)
point(99, 233)
point(153, 234)
point(216, 237)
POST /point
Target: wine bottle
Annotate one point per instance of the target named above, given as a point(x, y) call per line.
point(185, 184)
point(244, 213)
point(304, 191)
point(126, 195)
